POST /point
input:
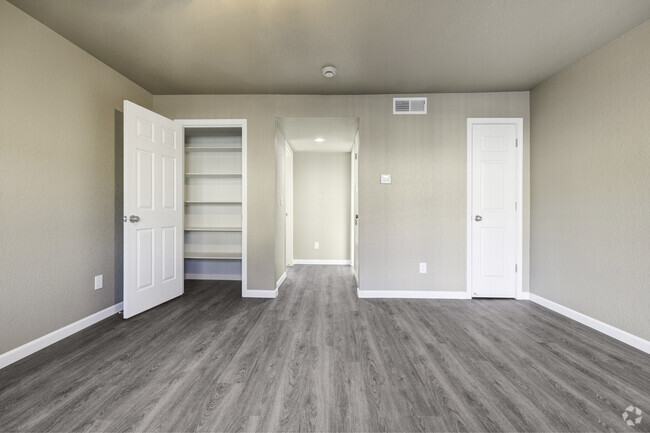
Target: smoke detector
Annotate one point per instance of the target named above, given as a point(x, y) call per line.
point(328, 71)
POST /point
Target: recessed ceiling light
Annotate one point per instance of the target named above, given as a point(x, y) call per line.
point(319, 140)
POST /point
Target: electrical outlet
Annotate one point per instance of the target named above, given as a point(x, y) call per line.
point(423, 268)
point(316, 245)
point(99, 282)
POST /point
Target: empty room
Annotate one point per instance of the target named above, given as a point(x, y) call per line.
point(333, 216)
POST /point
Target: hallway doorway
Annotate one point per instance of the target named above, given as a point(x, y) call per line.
point(316, 192)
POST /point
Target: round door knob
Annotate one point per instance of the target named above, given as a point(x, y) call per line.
point(134, 219)
point(478, 218)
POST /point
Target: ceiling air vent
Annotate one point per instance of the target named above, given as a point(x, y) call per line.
point(409, 105)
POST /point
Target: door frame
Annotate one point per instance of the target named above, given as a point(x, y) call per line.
point(352, 184)
point(354, 208)
point(519, 122)
point(288, 203)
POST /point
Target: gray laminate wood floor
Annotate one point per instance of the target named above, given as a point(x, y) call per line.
point(319, 359)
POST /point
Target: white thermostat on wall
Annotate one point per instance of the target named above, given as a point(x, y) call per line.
point(385, 178)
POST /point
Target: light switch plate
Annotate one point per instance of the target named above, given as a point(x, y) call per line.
point(316, 245)
point(99, 282)
point(423, 268)
point(385, 178)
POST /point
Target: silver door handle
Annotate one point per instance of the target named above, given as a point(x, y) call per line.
point(134, 219)
point(478, 218)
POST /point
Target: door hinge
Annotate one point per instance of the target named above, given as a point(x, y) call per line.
point(515, 205)
point(515, 268)
point(356, 155)
point(516, 142)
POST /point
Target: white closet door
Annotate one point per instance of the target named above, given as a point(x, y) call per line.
point(153, 205)
point(494, 211)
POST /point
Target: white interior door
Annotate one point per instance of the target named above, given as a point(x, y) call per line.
point(153, 198)
point(288, 194)
point(493, 209)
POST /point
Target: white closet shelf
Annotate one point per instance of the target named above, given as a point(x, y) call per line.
point(212, 229)
point(212, 174)
point(212, 149)
point(214, 256)
point(212, 202)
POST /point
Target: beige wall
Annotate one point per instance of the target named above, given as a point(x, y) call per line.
point(57, 135)
point(590, 230)
point(321, 205)
point(421, 217)
point(280, 205)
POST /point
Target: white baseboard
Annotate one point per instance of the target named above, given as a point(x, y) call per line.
point(222, 277)
point(260, 293)
point(280, 280)
point(612, 331)
point(58, 335)
point(411, 294)
point(523, 296)
point(321, 262)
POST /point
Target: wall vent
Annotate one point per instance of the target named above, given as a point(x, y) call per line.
point(409, 105)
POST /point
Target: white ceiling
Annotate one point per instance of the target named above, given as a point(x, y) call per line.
point(338, 132)
point(378, 46)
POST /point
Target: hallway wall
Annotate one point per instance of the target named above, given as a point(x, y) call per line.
point(321, 205)
point(280, 206)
